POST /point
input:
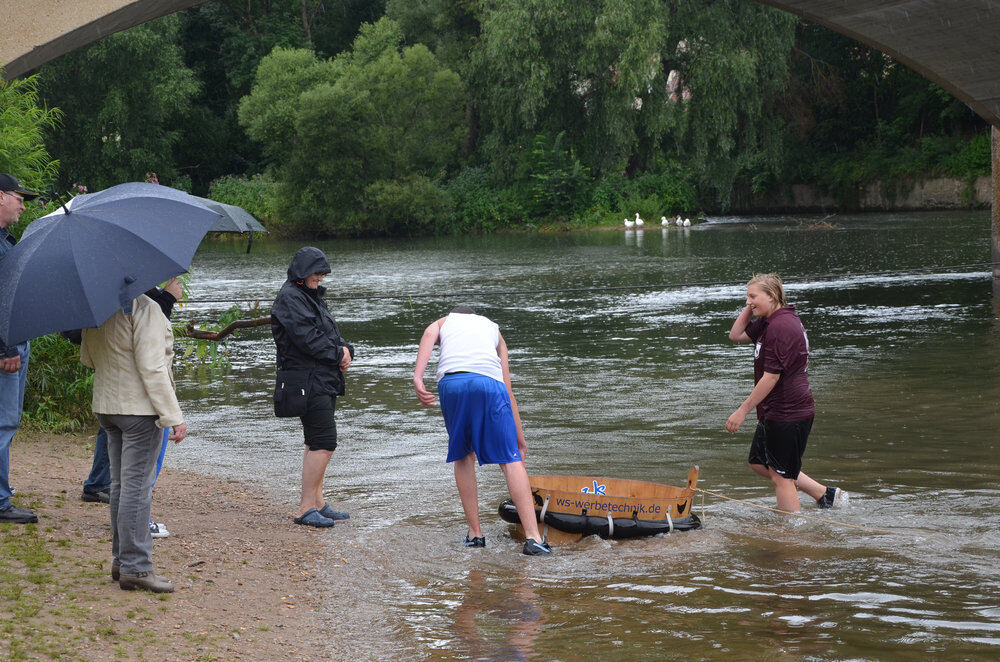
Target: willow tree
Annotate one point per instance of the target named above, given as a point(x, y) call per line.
point(629, 82)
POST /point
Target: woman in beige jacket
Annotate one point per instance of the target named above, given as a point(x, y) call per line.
point(132, 356)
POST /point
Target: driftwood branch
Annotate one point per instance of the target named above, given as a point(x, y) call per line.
point(219, 335)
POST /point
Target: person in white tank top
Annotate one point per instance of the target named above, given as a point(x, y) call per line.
point(468, 343)
point(471, 345)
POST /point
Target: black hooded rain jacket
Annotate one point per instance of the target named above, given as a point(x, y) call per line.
point(305, 333)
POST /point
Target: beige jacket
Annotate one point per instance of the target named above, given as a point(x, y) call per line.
point(132, 357)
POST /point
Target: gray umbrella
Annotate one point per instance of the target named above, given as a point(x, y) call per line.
point(75, 267)
point(234, 219)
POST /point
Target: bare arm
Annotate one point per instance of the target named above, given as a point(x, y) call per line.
point(522, 445)
point(739, 331)
point(757, 395)
point(432, 334)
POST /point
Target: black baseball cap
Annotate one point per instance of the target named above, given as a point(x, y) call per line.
point(10, 183)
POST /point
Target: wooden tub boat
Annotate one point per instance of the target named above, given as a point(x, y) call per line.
point(572, 507)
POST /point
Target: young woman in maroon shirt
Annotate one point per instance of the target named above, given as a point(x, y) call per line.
point(781, 394)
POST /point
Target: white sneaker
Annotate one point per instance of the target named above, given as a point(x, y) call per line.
point(158, 530)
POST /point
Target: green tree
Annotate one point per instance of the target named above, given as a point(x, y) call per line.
point(376, 113)
point(126, 99)
point(224, 42)
point(23, 124)
point(857, 115)
point(269, 113)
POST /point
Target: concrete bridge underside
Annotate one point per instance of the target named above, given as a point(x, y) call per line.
point(36, 31)
point(954, 43)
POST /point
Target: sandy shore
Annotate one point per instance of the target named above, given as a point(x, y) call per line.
point(244, 578)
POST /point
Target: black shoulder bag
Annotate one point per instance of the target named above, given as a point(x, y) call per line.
point(291, 393)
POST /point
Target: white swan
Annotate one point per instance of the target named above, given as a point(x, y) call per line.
point(629, 224)
point(687, 222)
point(679, 222)
point(638, 221)
point(663, 221)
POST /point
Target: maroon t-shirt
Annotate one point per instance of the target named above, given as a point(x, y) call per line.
point(781, 347)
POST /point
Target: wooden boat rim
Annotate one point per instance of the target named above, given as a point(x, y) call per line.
point(619, 484)
point(686, 495)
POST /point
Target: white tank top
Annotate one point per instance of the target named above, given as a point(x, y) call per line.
point(469, 344)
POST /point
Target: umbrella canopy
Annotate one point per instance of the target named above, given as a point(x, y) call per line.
point(233, 219)
point(75, 267)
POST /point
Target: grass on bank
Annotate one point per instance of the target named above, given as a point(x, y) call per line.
point(40, 598)
point(53, 602)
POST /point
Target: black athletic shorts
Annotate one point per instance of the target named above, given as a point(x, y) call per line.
point(318, 425)
point(780, 445)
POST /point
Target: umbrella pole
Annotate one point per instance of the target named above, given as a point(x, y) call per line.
point(250, 242)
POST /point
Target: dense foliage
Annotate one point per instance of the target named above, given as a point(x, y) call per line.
point(416, 116)
point(59, 388)
point(23, 125)
point(126, 99)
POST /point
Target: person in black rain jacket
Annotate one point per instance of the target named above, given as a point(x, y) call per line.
point(308, 340)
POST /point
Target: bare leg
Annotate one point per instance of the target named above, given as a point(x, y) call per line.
point(804, 483)
point(788, 496)
point(313, 468)
point(520, 493)
point(810, 486)
point(465, 479)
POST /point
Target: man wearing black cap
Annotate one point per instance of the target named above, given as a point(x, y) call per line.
point(13, 359)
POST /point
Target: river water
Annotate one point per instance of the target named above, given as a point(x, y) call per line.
point(636, 382)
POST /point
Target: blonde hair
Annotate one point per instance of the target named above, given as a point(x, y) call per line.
point(770, 284)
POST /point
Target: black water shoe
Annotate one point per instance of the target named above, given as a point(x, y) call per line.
point(478, 541)
point(312, 518)
point(534, 548)
point(329, 513)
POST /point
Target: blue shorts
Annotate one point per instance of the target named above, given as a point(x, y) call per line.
point(479, 419)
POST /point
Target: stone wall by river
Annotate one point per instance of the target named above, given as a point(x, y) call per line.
point(927, 194)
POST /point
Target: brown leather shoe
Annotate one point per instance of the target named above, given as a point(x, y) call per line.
point(146, 581)
point(116, 572)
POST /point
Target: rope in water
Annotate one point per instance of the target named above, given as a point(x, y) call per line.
point(468, 294)
point(785, 512)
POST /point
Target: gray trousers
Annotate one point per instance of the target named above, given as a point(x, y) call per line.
point(133, 446)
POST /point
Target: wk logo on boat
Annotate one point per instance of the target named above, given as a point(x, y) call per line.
point(598, 489)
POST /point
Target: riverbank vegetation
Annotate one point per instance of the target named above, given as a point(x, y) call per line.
point(368, 117)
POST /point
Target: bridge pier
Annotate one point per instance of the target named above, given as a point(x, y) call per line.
point(995, 217)
point(995, 214)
